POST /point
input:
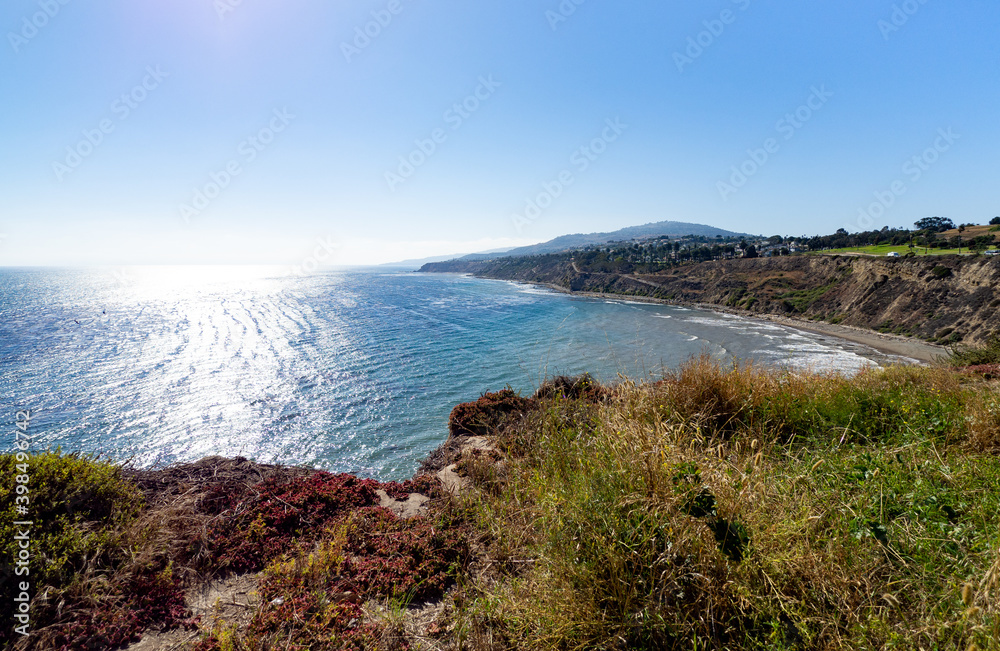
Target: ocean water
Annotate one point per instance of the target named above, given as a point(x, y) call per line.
point(351, 371)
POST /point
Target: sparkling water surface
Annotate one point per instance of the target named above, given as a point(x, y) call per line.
point(349, 371)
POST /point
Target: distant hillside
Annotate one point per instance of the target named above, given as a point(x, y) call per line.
point(565, 242)
point(416, 263)
point(419, 262)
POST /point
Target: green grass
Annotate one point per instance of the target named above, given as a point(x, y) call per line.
point(741, 508)
point(803, 298)
point(66, 495)
point(883, 249)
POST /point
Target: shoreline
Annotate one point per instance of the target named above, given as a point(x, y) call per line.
point(891, 347)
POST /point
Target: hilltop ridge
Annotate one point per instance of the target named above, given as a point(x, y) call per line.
point(577, 240)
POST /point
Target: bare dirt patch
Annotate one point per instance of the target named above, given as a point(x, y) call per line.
point(223, 603)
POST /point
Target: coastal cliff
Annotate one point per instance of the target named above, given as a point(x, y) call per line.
point(941, 299)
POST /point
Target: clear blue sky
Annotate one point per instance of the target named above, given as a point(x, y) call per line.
point(314, 119)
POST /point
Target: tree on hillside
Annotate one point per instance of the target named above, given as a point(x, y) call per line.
point(936, 224)
point(981, 242)
point(995, 221)
point(750, 252)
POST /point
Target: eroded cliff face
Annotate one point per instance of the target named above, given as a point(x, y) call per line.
point(941, 298)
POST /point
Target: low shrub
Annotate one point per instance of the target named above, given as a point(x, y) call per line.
point(487, 415)
point(87, 548)
point(986, 353)
point(581, 387)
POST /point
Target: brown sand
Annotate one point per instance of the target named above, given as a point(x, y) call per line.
point(892, 346)
point(889, 344)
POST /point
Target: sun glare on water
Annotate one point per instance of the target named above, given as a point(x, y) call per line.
point(178, 276)
point(148, 281)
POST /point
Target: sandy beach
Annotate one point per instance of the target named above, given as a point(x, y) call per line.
point(891, 346)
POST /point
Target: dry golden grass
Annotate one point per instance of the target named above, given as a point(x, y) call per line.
point(738, 507)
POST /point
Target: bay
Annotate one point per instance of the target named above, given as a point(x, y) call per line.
point(349, 371)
